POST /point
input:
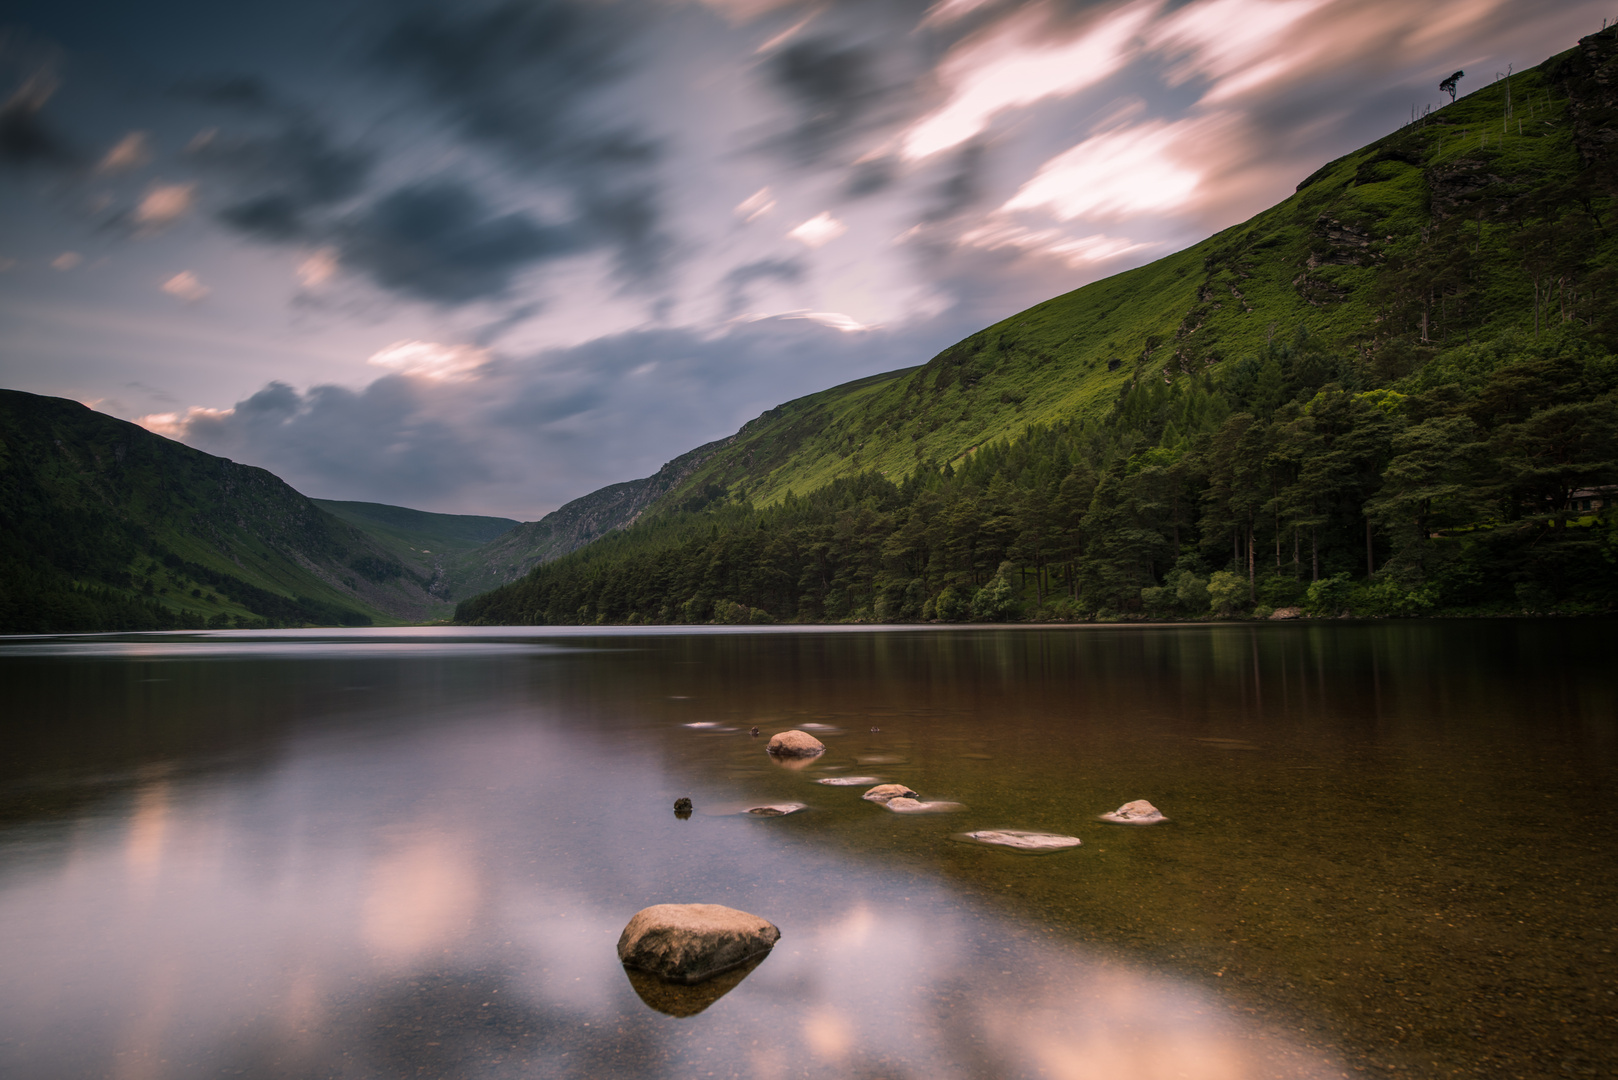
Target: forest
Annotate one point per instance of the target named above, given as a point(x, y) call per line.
point(1474, 485)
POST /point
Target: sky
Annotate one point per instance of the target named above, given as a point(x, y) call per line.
point(488, 256)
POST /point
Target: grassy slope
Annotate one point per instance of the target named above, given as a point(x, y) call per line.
point(437, 548)
point(1196, 309)
point(95, 502)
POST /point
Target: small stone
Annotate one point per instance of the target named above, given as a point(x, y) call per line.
point(1021, 840)
point(682, 805)
point(1139, 812)
point(687, 943)
point(883, 792)
point(795, 744)
point(776, 809)
point(753, 732)
point(903, 805)
point(848, 781)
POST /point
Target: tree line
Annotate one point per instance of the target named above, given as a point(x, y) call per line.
point(1474, 485)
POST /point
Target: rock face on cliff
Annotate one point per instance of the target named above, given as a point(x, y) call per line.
point(688, 943)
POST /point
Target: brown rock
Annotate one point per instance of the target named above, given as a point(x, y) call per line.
point(883, 792)
point(687, 943)
point(795, 744)
point(1287, 613)
point(1139, 812)
point(902, 805)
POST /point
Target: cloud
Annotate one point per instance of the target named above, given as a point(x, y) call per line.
point(164, 204)
point(756, 205)
point(1075, 251)
point(67, 260)
point(128, 153)
point(319, 268)
point(185, 286)
point(819, 230)
point(1016, 65)
point(24, 138)
point(833, 88)
point(525, 80)
point(519, 435)
point(438, 241)
point(1126, 171)
point(430, 360)
point(736, 282)
point(283, 179)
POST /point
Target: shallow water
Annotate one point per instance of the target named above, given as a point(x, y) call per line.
point(401, 853)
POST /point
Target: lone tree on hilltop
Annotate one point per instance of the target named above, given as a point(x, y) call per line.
point(1448, 85)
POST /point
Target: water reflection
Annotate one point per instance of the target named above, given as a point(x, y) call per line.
point(407, 863)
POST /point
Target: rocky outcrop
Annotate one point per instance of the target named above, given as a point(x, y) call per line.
point(688, 943)
point(789, 744)
point(1287, 613)
point(1139, 812)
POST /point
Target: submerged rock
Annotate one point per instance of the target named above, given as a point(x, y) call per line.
point(849, 781)
point(776, 809)
point(1139, 812)
point(883, 792)
point(903, 805)
point(688, 943)
point(1021, 840)
point(795, 744)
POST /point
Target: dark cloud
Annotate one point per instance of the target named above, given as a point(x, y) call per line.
point(523, 79)
point(962, 188)
point(437, 241)
point(279, 179)
point(735, 284)
point(833, 88)
point(870, 177)
point(25, 139)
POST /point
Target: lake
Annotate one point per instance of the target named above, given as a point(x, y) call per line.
point(397, 853)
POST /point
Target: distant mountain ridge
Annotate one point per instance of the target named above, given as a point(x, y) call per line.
point(109, 527)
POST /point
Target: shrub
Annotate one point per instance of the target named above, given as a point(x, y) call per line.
point(1226, 593)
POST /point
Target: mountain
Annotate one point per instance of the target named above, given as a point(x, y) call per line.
point(441, 550)
point(1399, 380)
point(573, 525)
point(111, 527)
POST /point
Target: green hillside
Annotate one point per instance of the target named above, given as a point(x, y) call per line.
point(1392, 393)
point(1347, 258)
point(110, 527)
point(443, 551)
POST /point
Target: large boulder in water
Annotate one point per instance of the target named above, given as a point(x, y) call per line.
point(795, 744)
point(1139, 812)
point(687, 943)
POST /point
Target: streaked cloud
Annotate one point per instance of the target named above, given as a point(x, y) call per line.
point(1137, 169)
point(130, 152)
point(320, 267)
point(819, 230)
point(67, 260)
point(431, 360)
point(1017, 65)
point(1077, 252)
point(163, 204)
point(186, 286)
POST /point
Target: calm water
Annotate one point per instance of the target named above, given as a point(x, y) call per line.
point(410, 853)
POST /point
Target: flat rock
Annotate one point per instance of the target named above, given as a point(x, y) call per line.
point(903, 805)
point(795, 744)
point(776, 809)
point(848, 781)
point(1021, 840)
point(1287, 613)
point(687, 943)
point(883, 792)
point(1139, 812)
